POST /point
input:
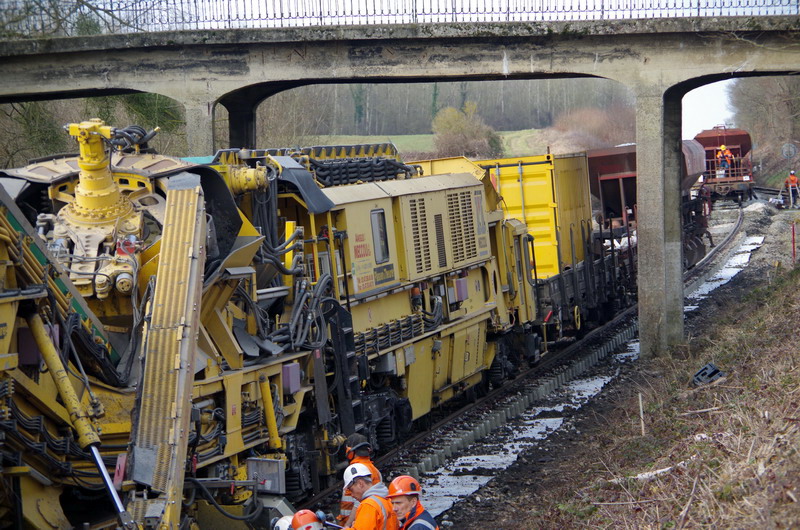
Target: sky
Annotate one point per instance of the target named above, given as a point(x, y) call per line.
point(705, 107)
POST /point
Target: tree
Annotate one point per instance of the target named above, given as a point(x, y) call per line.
point(769, 109)
point(50, 18)
point(29, 130)
point(600, 127)
point(463, 132)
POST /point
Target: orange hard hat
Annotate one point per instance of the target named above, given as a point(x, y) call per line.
point(306, 520)
point(404, 485)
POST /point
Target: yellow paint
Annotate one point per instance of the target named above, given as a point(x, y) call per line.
point(456, 164)
point(550, 194)
point(41, 507)
point(168, 371)
point(78, 417)
point(269, 412)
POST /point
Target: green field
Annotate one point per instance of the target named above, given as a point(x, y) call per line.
point(515, 143)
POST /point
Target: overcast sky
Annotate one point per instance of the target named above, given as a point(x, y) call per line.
point(705, 107)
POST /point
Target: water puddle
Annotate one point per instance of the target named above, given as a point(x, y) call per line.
point(463, 476)
point(735, 264)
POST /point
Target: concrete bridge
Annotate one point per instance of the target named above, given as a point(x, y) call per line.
point(658, 59)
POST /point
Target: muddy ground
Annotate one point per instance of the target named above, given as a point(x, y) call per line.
point(548, 486)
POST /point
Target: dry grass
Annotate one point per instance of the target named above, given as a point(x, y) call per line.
point(731, 448)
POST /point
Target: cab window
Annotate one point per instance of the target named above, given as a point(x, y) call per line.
point(379, 240)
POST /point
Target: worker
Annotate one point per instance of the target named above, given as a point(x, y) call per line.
point(306, 520)
point(404, 492)
point(792, 189)
point(724, 157)
point(359, 451)
point(374, 511)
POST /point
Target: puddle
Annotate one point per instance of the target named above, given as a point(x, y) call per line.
point(463, 476)
point(629, 355)
point(735, 264)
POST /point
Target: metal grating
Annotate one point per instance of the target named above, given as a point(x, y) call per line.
point(462, 226)
point(167, 378)
point(456, 234)
point(468, 224)
point(419, 231)
point(439, 226)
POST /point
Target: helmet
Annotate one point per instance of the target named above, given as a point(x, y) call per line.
point(284, 523)
point(355, 442)
point(306, 520)
point(355, 471)
point(404, 485)
point(791, 172)
point(722, 147)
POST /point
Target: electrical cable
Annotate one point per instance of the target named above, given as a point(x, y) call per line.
point(252, 516)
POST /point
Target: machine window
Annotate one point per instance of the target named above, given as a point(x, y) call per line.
point(379, 240)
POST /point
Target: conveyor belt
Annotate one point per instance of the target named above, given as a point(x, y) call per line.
point(170, 339)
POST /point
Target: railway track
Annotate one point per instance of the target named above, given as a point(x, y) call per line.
point(763, 192)
point(560, 365)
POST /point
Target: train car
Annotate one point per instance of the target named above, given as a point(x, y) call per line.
point(188, 344)
point(728, 163)
point(550, 194)
point(612, 174)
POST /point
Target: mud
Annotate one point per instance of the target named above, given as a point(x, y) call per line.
point(556, 465)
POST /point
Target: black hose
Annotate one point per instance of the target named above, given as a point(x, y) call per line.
point(252, 516)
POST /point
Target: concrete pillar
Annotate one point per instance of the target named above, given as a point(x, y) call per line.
point(242, 125)
point(660, 269)
point(199, 128)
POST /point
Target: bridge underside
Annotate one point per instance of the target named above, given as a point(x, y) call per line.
point(659, 60)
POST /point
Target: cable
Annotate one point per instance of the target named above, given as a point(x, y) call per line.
point(252, 516)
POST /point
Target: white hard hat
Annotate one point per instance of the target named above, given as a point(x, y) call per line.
point(791, 172)
point(284, 523)
point(354, 471)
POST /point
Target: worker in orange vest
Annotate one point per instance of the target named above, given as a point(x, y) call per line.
point(724, 157)
point(374, 511)
point(359, 451)
point(792, 188)
point(404, 492)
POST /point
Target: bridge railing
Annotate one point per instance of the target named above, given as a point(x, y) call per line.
point(31, 18)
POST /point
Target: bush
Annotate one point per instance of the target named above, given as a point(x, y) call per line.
point(463, 133)
point(612, 126)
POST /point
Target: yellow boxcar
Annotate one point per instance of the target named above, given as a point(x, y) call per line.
point(550, 194)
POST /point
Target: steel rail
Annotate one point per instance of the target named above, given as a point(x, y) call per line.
point(548, 362)
point(703, 265)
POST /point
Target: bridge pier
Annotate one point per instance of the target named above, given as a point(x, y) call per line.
point(199, 128)
point(660, 272)
point(241, 125)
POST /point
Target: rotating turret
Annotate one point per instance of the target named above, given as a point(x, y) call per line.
point(99, 229)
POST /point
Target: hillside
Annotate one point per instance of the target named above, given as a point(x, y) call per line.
point(721, 455)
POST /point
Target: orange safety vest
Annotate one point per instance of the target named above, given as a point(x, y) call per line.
point(419, 519)
point(349, 502)
point(726, 154)
point(791, 181)
point(375, 513)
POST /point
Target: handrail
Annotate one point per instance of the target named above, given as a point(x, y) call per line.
point(27, 18)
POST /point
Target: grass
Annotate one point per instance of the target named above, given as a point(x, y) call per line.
point(515, 143)
point(775, 180)
point(731, 446)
